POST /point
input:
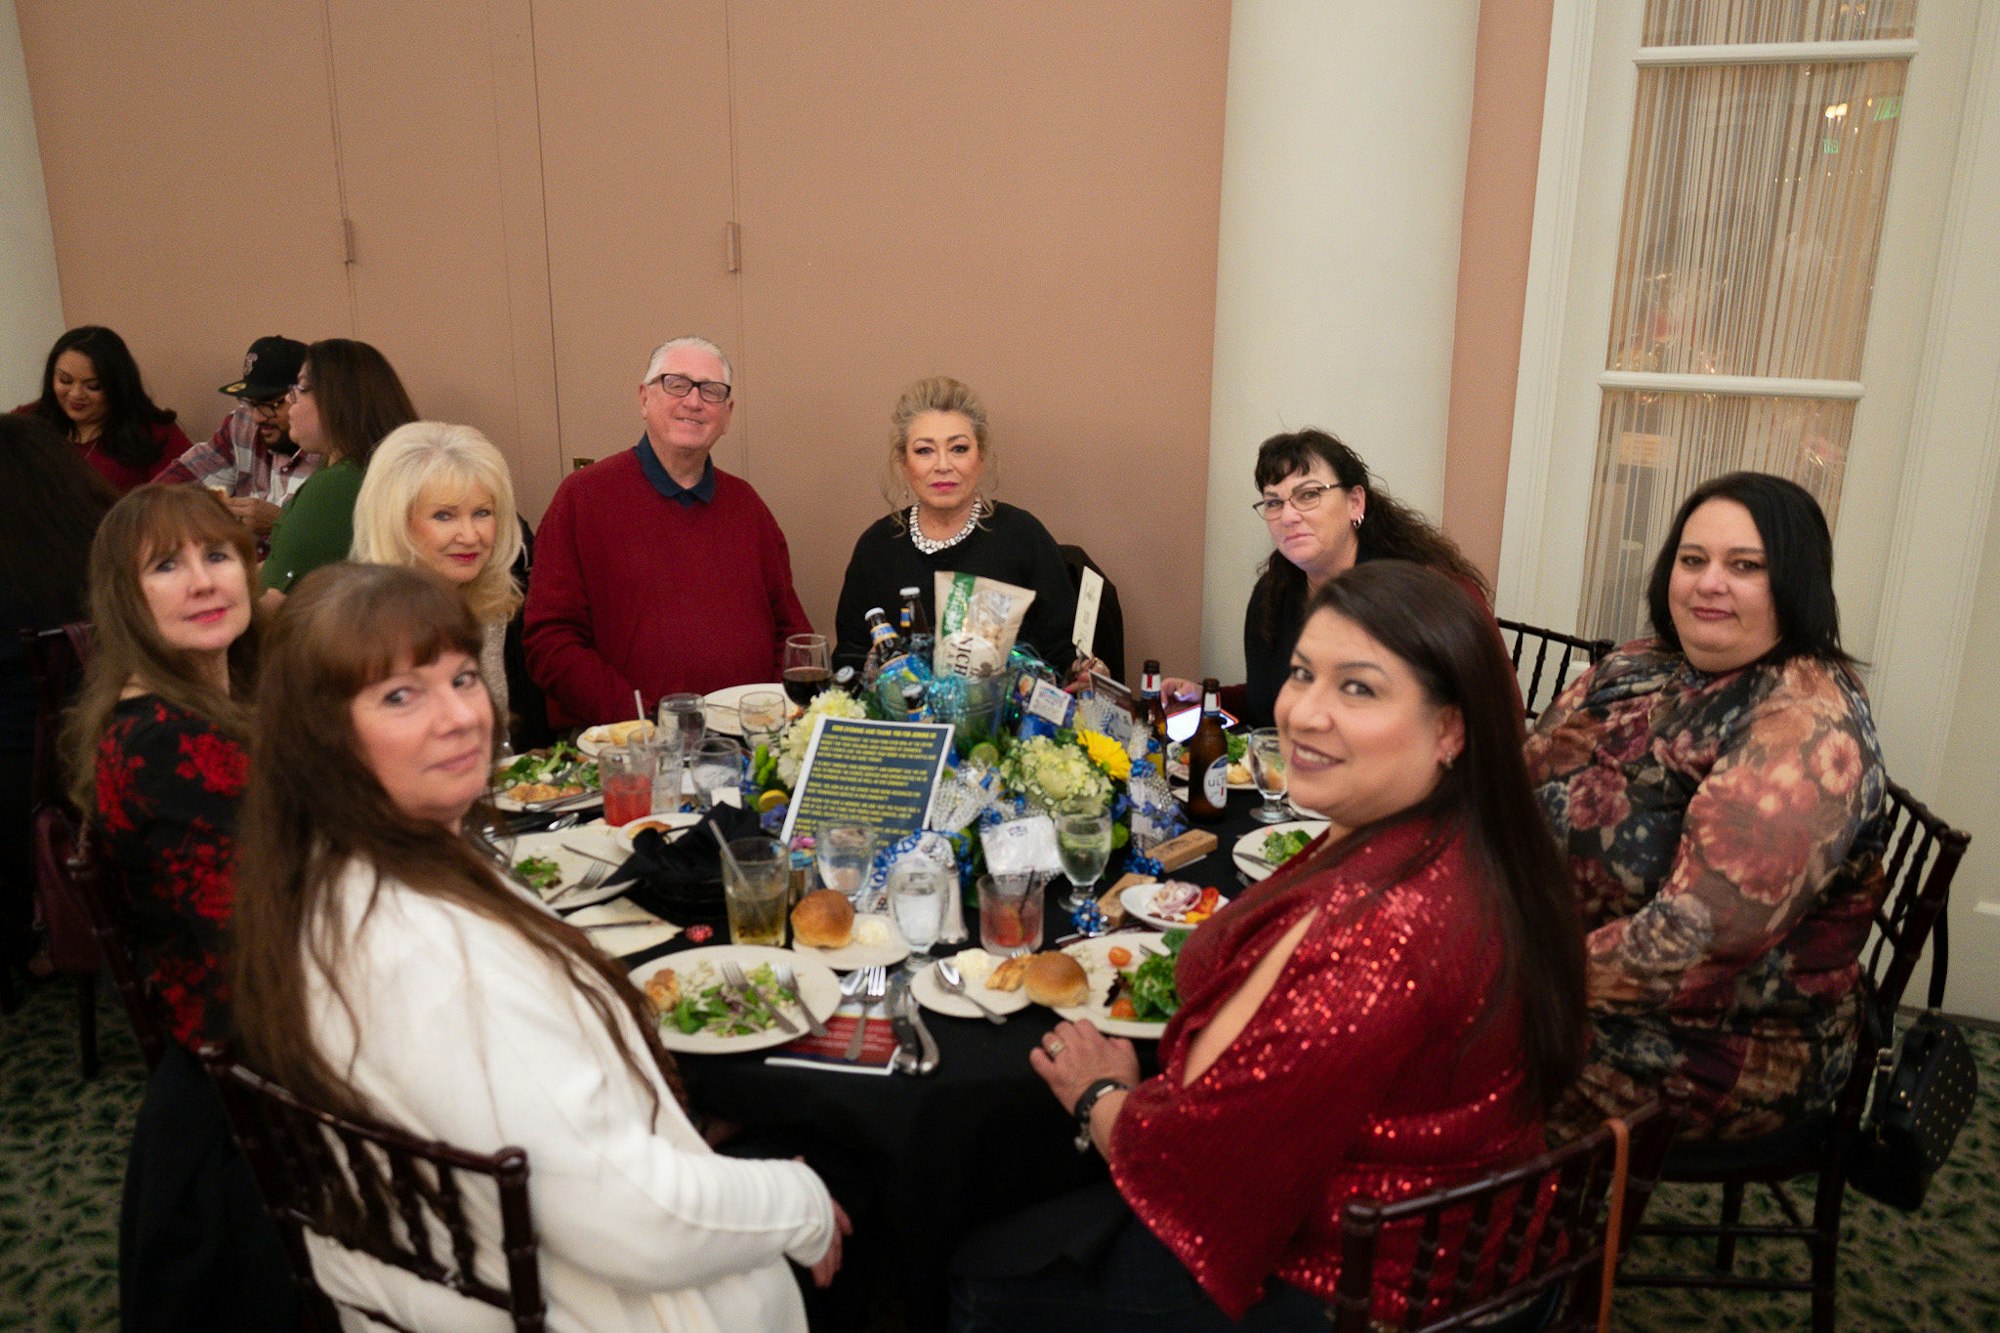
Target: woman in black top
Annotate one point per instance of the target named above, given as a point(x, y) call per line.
point(941, 467)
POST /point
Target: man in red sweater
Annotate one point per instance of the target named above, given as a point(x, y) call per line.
point(655, 571)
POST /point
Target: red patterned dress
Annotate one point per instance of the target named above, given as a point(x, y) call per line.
point(1725, 833)
point(1381, 1065)
point(168, 787)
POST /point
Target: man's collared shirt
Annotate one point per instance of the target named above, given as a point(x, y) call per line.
point(237, 461)
point(686, 497)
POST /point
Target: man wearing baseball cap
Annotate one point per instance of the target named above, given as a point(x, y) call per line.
point(252, 459)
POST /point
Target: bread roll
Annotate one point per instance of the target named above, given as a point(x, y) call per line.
point(823, 920)
point(1056, 980)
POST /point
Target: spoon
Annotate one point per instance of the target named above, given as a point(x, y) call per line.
point(953, 984)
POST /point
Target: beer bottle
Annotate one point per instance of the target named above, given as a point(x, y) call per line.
point(883, 645)
point(914, 619)
point(1152, 708)
point(1208, 760)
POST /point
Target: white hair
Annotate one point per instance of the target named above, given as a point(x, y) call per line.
point(687, 340)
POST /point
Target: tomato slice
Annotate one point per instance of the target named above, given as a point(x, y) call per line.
point(1122, 1007)
point(1119, 956)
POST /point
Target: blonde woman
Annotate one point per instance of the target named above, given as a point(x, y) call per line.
point(439, 497)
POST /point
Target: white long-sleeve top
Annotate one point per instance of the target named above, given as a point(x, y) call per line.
point(469, 1036)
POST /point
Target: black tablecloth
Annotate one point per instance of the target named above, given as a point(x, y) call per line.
point(927, 1160)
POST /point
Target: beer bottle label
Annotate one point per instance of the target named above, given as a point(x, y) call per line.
point(1215, 782)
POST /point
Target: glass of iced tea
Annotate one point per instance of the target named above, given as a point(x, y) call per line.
point(627, 775)
point(756, 888)
point(1010, 914)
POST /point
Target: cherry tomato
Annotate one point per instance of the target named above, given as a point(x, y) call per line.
point(1119, 957)
point(1122, 1007)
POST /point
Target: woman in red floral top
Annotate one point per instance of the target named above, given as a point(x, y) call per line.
point(1356, 1026)
point(1720, 792)
point(156, 742)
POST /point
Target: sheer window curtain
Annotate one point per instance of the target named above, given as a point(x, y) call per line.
point(1761, 149)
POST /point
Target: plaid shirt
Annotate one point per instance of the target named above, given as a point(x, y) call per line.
point(234, 461)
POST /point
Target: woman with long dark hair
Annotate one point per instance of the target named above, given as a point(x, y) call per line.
point(93, 396)
point(51, 502)
point(1326, 515)
point(1393, 1011)
point(1720, 793)
point(386, 970)
point(347, 399)
point(157, 757)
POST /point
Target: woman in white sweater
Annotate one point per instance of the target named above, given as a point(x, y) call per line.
point(385, 970)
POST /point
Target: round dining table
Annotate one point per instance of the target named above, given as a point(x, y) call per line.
point(920, 1162)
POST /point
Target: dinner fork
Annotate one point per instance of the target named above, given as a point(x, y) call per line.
point(593, 877)
point(789, 979)
point(873, 989)
point(732, 972)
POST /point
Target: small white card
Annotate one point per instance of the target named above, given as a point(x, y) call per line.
point(1051, 703)
point(1088, 594)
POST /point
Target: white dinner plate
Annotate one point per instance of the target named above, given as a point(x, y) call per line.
point(592, 740)
point(852, 955)
point(1092, 954)
point(550, 846)
point(721, 706)
point(938, 1000)
point(670, 826)
point(1138, 902)
point(507, 805)
point(1249, 848)
point(818, 988)
point(1177, 772)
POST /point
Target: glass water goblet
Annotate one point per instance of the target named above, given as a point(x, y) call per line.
point(845, 853)
point(718, 768)
point(917, 890)
point(762, 714)
point(1267, 769)
point(1083, 844)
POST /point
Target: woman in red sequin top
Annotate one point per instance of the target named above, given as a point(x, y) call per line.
point(156, 743)
point(1354, 1026)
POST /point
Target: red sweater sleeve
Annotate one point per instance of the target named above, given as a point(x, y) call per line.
point(557, 636)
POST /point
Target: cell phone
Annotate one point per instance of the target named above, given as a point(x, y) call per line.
point(1183, 722)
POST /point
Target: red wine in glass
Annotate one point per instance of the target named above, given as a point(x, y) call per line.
point(803, 684)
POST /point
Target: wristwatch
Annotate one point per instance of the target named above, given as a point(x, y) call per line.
point(1087, 1101)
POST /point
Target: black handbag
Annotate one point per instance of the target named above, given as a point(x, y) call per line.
point(1924, 1090)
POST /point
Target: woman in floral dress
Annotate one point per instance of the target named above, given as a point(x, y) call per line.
point(157, 748)
point(1720, 793)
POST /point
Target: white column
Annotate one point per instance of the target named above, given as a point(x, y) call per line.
point(30, 302)
point(1343, 176)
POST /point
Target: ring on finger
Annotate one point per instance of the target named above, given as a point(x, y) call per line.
point(1055, 1046)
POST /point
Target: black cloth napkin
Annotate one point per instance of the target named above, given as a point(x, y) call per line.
point(681, 880)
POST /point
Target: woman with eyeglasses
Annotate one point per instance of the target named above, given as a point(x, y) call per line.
point(347, 398)
point(93, 396)
point(940, 479)
point(1326, 516)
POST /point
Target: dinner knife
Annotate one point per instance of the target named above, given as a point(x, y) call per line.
point(909, 1053)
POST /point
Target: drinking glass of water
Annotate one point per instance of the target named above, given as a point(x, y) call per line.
point(1267, 768)
point(917, 890)
point(846, 853)
point(1083, 843)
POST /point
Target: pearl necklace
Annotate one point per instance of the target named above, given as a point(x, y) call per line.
point(929, 547)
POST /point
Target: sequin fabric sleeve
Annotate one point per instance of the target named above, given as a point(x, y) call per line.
point(1353, 1079)
point(168, 787)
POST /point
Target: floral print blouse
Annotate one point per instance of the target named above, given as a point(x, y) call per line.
point(1725, 832)
point(168, 787)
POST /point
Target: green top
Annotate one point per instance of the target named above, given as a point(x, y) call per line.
point(317, 526)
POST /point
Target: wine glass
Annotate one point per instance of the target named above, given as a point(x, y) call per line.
point(718, 767)
point(1267, 768)
point(762, 715)
point(1083, 843)
point(845, 853)
point(917, 890)
point(808, 668)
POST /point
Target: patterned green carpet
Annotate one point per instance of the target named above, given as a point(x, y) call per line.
point(63, 1142)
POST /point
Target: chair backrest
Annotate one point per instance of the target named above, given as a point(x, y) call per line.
point(387, 1194)
point(1550, 658)
point(1919, 861)
point(56, 659)
point(91, 898)
point(1507, 1238)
